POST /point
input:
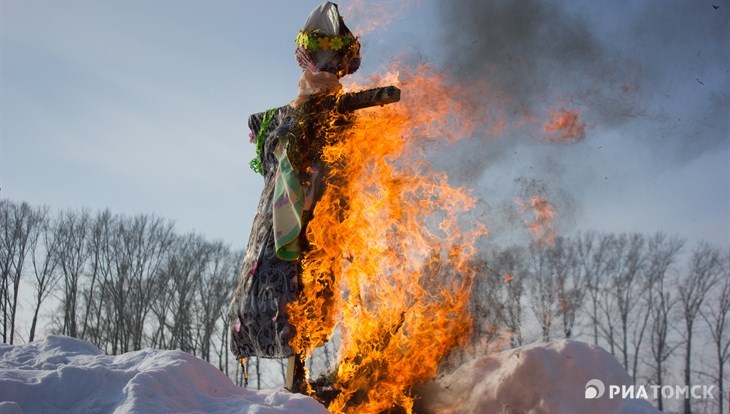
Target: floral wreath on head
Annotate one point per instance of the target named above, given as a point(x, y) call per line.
point(313, 41)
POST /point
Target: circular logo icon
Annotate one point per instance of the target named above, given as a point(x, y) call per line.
point(594, 389)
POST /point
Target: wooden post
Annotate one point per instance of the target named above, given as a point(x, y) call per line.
point(295, 375)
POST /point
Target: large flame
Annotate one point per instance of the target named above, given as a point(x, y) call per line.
point(389, 258)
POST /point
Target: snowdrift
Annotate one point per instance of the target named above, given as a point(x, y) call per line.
point(541, 378)
point(66, 375)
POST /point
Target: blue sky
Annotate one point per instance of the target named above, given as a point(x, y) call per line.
point(142, 107)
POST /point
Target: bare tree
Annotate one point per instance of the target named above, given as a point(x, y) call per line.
point(487, 305)
point(72, 259)
point(592, 251)
point(704, 269)
point(563, 262)
point(543, 289)
point(661, 348)
point(214, 293)
point(556, 286)
point(185, 267)
point(94, 294)
point(162, 305)
point(628, 261)
point(118, 274)
point(222, 339)
point(509, 267)
point(662, 253)
point(20, 227)
point(44, 258)
point(717, 316)
point(223, 314)
point(139, 247)
point(148, 239)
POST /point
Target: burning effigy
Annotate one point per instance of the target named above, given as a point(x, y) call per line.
point(353, 230)
point(289, 141)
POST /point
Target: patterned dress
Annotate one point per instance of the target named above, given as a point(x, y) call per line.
point(260, 324)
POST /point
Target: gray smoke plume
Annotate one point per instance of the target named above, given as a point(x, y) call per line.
point(663, 64)
point(530, 48)
point(655, 75)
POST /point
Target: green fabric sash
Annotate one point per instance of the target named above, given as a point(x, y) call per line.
point(287, 209)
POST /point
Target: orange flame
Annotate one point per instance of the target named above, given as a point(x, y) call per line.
point(565, 126)
point(543, 226)
point(388, 255)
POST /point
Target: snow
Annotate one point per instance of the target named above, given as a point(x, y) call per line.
point(538, 379)
point(66, 375)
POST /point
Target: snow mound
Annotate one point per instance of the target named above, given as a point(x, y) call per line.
point(67, 375)
point(543, 378)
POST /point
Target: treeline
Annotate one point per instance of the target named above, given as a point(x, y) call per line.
point(649, 300)
point(129, 282)
point(121, 282)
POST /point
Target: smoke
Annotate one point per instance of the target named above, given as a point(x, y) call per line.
point(367, 17)
point(656, 76)
point(530, 48)
point(685, 51)
point(661, 68)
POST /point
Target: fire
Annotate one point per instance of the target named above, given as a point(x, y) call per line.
point(565, 126)
point(389, 259)
point(543, 226)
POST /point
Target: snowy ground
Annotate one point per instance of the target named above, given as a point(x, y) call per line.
point(540, 378)
point(66, 375)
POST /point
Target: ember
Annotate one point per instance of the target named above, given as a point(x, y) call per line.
point(565, 126)
point(543, 226)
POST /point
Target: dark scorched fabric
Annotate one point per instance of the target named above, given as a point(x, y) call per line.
point(266, 283)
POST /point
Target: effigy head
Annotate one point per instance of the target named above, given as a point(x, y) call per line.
point(326, 44)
